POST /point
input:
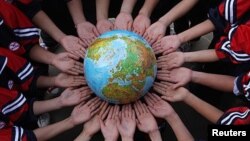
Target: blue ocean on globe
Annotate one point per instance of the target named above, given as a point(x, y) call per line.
point(120, 66)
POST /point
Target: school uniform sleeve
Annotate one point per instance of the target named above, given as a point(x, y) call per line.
point(234, 10)
point(242, 85)
point(29, 7)
point(15, 108)
point(235, 116)
point(235, 44)
point(6, 35)
point(16, 133)
point(217, 20)
point(26, 35)
point(19, 70)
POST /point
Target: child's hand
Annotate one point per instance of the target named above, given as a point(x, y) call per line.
point(155, 32)
point(167, 44)
point(124, 21)
point(141, 23)
point(65, 80)
point(170, 61)
point(104, 26)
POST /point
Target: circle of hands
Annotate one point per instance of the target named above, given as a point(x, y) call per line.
point(114, 120)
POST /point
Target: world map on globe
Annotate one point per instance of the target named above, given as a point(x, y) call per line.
point(120, 66)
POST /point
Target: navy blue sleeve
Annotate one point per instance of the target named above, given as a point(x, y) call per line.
point(6, 35)
point(217, 20)
point(29, 9)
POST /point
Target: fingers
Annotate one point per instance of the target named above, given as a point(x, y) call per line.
point(105, 112)
point(92, 101)
point(111, 111)
point(160, 90)
point(177, 85)
point(149, 100)
point(116, 111)
point(95, 31)
point(156, 97)
point(137, 111)
point(162, 84)
point(73, 56)
point(153, 98)
point(129, 25)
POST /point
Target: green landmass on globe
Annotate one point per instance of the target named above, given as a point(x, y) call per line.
point(120, 66)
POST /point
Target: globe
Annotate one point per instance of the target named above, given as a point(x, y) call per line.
point(120, 66)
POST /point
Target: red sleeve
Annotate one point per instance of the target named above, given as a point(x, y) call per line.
point(13, 105)
point(19, 69)
point(235, 46)
point(26, 34)
point(234, 10)
point(235, 116)
point(16, 133)
point(242, 85)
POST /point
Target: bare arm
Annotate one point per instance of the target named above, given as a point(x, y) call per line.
point(201, 56)
point(205, 109)
point(128, 6)
point(102, 9)
point(177, 11)
point(148, 7)
point(163, 109)
point(40, 107)
point(41, 55)
point(215, 81)
point(80, 114)
point(42, 21)
point(45, 81)
point(76, 11)
point(180, 130)
point(196, 31)
point(52, 130)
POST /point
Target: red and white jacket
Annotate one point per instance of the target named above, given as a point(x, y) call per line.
point(232, 21)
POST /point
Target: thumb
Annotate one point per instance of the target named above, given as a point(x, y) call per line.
point(101, 123)
point(73, 56)
point(129, 26)
point(177, 85)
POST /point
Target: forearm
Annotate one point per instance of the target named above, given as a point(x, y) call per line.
point(40, 107)
point(155, 135)
point(45, 81)
point(52, 130)
point(180, 130)
point(41, 55)
point(42, 21)
point(102, 8)
point(127, 139)
point(208, 55)
point(128, 6)
point(205, 109)
point(76, 11)
point(196, 31)
point(220, 82)
point(177, 11)
point(83, 137)
point(148, 7)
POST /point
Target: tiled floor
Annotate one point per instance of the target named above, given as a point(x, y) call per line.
point(194, 122)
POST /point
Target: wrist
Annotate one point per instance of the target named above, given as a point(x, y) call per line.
point(110, 139)
point(53, 81)
point(155, 135)
point(194, 77)
point(101, 17)
point(59, 102)
point(164, 22)
point(127, 138)
point(77, 25)
point(188, 97)
point(181, 38)
point(144, 13)
point(186, 56)
point(171, 118)
point(83, 136)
